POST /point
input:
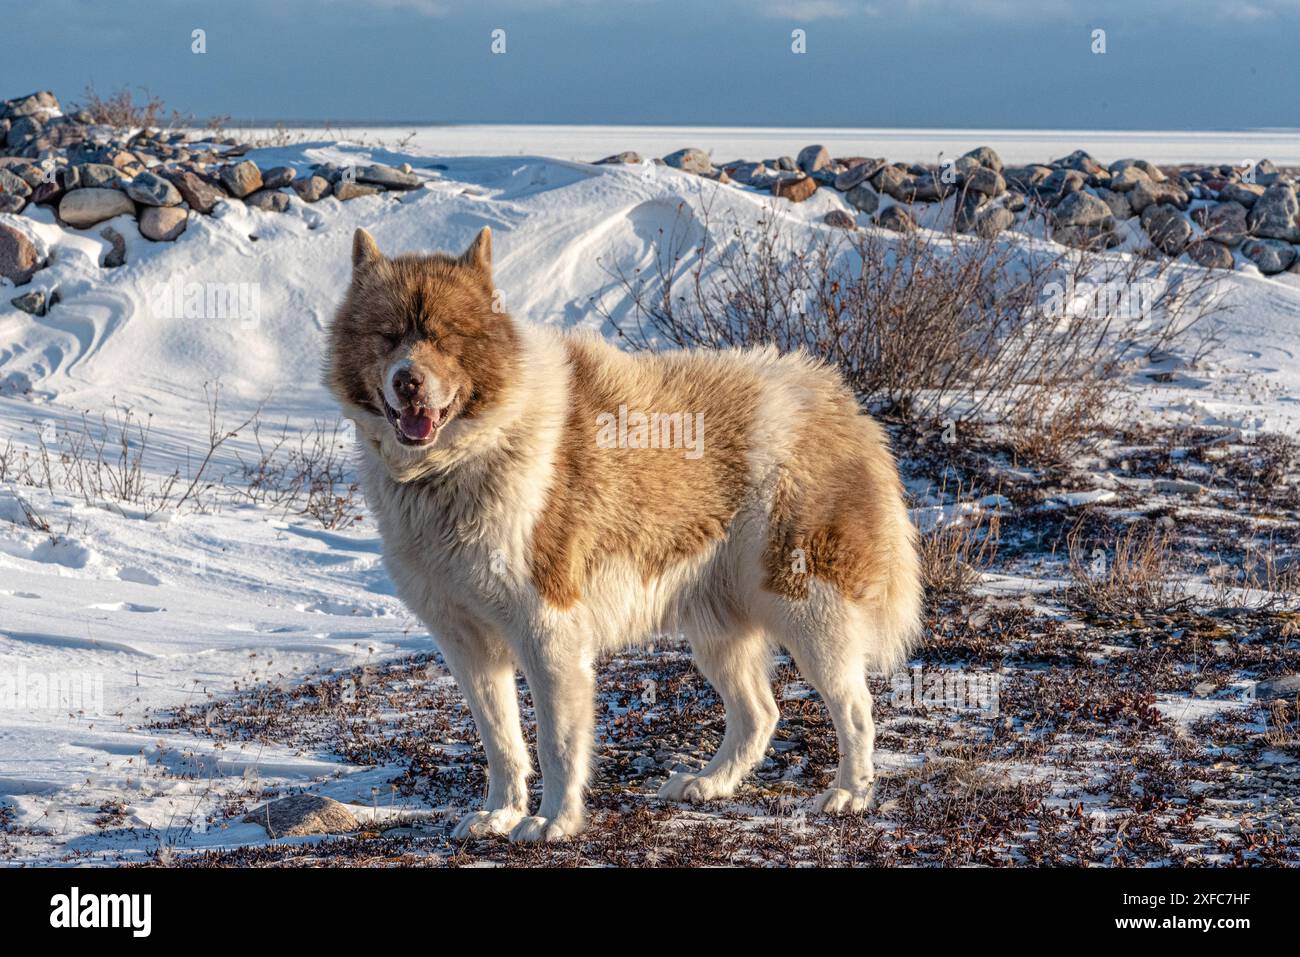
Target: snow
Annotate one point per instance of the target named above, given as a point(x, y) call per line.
point(157, 610)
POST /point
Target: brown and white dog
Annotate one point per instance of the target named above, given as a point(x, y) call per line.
point(545, 499)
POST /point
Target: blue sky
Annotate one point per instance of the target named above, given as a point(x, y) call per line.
point(1169, 64)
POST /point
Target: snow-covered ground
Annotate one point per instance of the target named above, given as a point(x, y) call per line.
point(137, 613)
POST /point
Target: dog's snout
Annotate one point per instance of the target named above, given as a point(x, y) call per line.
point(406, 384)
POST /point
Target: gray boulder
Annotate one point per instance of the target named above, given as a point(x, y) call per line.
point(379, 175)
point(1118, 203)
point(302, 815)
point(163, 224)
point(1168, 230)
point(201, 195)
point(1270, 255)
point(278, 177)
point(897, 219)
point(150, 189)
point(83, 208)
point(1224, 223)
point(863, 198)
point(1276, 214)
point(858, 173)
point(270, 200)
point(1150, 192)
point(1209, 254)
point(690, 160)
point(312, 188)
point(1081, 209)
point(813, 158)
point(116, 254)
point(986, 157)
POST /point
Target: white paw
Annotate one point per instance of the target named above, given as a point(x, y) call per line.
point(695, 788)
point(534, 829)
point(843, 801)
point(480, 823)
point(674, 789)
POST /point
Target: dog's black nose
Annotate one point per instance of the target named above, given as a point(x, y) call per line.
point(406, 384)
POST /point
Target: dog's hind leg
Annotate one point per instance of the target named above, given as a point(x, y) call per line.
point(738, 667)
point(830, 652)
point(484, 671)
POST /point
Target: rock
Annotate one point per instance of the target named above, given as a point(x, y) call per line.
point(1276, 214)
point(1168, 230)
point(1263, 173)
point(241, 178)
point(795, 189)
point(343, 190)
point(812, 158)
point(95, 176)
point(268, 199)
point(857, 174)
point(389, 178)
point(311, 188)
point(83, 208)
point(1244, 193)
point(1118, 203)
point(116, 254)
point(23, 131)
point(1270, 255)
point(201, 195)
point(11, 184)
point(163, 224)
point(893, 182)
point(751, 174)
point(40, 102)
point(32, 303)
point(1211, 255)
point(18, 257)
point(11, 204)
point(1094, 236)
point(1153, 172)
point(785, 163)
point(627, 157)
point(986, 222)
point(690, 160)
point(986, 181)
point(278, 177)
point(1287, 686)
point(840, 219)
point(1026, 178)
point(1060, 184)
point(985, 157)
point(863, 198)
point(1081, 209)
point(1081, 161)
point(1123, 179)
point(304, 814)
point(897, 219)
point(1223, 222)
point(150, 189)
point(1149, 192)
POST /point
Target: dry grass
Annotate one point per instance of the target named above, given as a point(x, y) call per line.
point(954, 554)
point(1131, 576)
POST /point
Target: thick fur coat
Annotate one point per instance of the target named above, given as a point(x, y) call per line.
point(545, 498)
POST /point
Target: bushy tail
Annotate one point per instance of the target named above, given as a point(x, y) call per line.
point(897, 608)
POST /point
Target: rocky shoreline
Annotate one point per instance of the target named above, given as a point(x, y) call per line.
point(1220, 217)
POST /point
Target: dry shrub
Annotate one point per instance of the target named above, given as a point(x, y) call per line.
point(924, 326)
point(309, 476)
point(954, 554)
point(121, 110)
point(1133, 577)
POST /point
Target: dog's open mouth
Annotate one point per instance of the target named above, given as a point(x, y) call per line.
point(417, 424)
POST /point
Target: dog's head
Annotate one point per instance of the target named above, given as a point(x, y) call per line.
point(419, 351)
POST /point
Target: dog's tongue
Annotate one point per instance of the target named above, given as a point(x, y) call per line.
point(416, 426)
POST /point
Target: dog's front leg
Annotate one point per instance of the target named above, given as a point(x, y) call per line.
point(484, 670)
point(563, 689)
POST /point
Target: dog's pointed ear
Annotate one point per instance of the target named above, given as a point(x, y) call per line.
point(479, 254)
point(365, 252)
